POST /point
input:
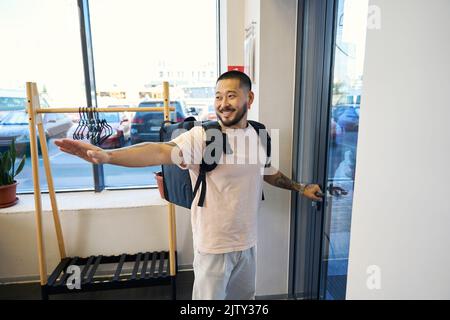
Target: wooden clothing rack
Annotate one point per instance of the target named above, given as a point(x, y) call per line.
point(152, 270)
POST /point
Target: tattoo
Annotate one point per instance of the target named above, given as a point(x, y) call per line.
point(281, 181)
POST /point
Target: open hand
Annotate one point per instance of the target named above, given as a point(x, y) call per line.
point(83, 150)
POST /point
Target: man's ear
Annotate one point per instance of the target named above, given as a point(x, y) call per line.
point(251, 97)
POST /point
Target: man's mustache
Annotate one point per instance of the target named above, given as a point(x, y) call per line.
point(226, 109)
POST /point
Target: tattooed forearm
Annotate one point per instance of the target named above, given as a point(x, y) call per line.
point(281, 181)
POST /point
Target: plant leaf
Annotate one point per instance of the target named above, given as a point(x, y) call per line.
point(12, 149)
point(13, 155)
point(5, 178)
point(8, 162)
point(20, 167)
point(5, 162)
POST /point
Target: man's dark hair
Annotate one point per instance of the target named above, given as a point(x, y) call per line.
point(244, 80)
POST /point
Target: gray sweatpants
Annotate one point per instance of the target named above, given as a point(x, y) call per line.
point(227, 276)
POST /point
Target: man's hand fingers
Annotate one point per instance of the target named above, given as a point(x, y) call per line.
point(319, 193)
point(58, 142)
point(314, 196)
point(314, 192)
point(82, 149)
point(66, 150)
point(69, 144)
point(66, 146)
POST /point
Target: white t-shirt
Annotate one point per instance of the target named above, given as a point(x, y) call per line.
point(228, 219)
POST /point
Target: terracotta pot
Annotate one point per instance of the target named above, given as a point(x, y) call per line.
point(8, 195)
point(160, 183)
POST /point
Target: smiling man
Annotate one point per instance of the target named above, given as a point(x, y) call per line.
point(233, 97)
point(224, 229)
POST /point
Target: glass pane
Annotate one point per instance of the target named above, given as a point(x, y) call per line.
point(344, 124)
point(138, 45)
point(41, 43)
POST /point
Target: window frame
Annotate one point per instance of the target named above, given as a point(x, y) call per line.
point(90, 87)
point(313, 92)
point(91, 97)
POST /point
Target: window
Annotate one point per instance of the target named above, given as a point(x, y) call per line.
point(38, 51)
point(343, 136)
point(136, 47)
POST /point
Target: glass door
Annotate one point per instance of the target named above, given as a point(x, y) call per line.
point(347, 82)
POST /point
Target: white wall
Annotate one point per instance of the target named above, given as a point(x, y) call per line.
point(274, 105)
point(253, 14)
point(401, 212)
point(109, 223)
point(232, 33)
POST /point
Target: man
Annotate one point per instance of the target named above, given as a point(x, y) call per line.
point(224, 229)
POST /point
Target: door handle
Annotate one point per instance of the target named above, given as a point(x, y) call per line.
point(333, 191)
point(318, 204)
point(336, 191)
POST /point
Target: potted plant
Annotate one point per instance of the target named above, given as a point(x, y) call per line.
point(8, 170)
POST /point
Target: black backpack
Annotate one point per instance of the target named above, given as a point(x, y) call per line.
point(177, 182)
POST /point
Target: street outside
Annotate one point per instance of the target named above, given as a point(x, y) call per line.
point(70, 172)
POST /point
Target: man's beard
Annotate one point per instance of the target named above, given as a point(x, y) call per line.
point(238, 117)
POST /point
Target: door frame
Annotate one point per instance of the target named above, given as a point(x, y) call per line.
point(313, 92)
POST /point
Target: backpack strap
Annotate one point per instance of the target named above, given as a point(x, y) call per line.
point(265, 141)
point(201, 180)
point(207, 167)
point(264, 138)
point(210, 139)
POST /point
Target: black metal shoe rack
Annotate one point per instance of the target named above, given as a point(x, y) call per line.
point(149, 269)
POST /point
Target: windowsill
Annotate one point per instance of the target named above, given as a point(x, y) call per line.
point(107, 199)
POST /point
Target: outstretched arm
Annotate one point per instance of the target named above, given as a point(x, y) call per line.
point(311, 191)
point(139, 155)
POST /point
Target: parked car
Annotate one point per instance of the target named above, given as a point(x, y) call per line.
point(120, 126)
point(14, 125)
point(197, 98)
point(350, 99)
point(15, 100)
point(145, 125)
point(335, 130)
point(192, 112)
point(124, 120)
point(346, 113)
point(347, 117)
point(208, 113)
